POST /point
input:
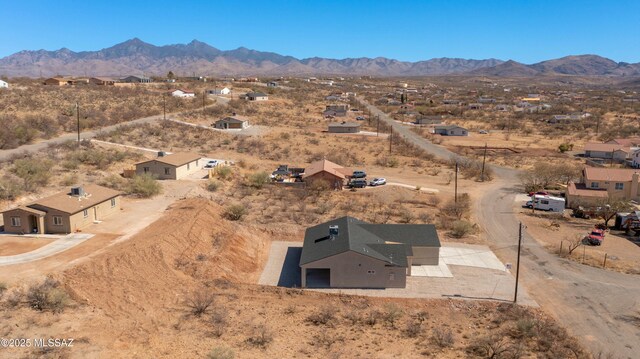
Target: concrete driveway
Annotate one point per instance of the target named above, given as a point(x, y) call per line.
point(60, 245)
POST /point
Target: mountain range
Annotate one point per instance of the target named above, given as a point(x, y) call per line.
point(198, 58)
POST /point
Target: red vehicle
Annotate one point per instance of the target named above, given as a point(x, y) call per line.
point(542, 193)
point(596, 237)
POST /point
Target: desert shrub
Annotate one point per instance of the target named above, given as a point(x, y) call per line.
point(457, 209)
point(144, 186)
point(387, 161)
point(213, 185)
point(223, 172)
point(258, 179)
point(524, 328)
point(218, 320)
point(564, 147)
point(69, 180)
point(221, 353)
point(3, 288)
point(372, 317)
point(34, 172)
point(442, 337)
point(323, 316)
point(10, 188)
point(260, 336)
point(412, 328)
point(391, 314)
point(461, 228)
point(47, 296)
point(495, 346)
point(235, 212)
point(318, 186)
point(199, 301)
point(114, 181)
point(406, 216)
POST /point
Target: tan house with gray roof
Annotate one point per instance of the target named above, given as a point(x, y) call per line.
point(174, 166)
point(64, 212)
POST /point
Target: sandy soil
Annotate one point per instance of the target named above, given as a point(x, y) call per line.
point(16, 245)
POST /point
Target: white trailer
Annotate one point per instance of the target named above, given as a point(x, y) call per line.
point(548, 203)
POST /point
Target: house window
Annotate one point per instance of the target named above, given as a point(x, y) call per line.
point(15, 221)
point(57, 220)
point(619, 185)
point(594, 184)
point(85, 213)
point(145, 169)
point(167, 171)
point(113, 202)
point(371, 272)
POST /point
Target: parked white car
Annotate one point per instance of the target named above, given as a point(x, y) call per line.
point(211, 164)
point(377, 182)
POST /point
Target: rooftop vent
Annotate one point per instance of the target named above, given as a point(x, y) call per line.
point(333, 232)
point(77, 191)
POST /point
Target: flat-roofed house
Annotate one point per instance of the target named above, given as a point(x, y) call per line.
point(174, 166)
point(344, 127)
point(606, 151)
point(256, 96)
point(102, 81)
point(349, 253)
point(136, 79)
point(450, 130)
point(64, 212)
point(182, 93)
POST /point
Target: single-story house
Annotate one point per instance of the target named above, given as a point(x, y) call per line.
point(344, 127)
point(323, 170)
point(64, 212)
point(272, 84)
point(349, 253)
point(428, 120)
point(635, 158)
point(334, 113)
point(486, 100)
point(337, 107)
point(4, 84)
point(451, 102)
point(174, 166)
point(222, 91)
point(450, 130)
point(182, 93)
point(136, 79)
point(606, 151)
point(232, 122)
point(626, 142)
point(256, 96)
point(102, 81)
point(59, 81)
point(598, 184)
point(474, 106)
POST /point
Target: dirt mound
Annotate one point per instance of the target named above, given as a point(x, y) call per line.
point(191, 244)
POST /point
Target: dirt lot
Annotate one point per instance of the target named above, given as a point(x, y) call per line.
point(122, 308)
point(10, 245)
point(550, 230)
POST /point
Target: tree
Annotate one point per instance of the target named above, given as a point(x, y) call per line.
point(33, 172)
point(170, 75)
point(608, 209)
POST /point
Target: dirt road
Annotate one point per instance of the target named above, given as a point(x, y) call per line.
point(600, 307)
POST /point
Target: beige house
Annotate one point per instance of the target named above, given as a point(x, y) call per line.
point(102, 81)
point(232, 122)
point(606, 151)
point(64, 212)
point(350, 253)
point(600, 184)
point(344, 127)
point(174, 166)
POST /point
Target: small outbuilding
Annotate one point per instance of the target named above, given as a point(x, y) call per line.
point(4, 84)
point(222, 91)
point(182, 93)
point(344, 127)
point(256, 96)
point(173, 166)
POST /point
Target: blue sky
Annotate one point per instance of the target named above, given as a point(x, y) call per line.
point(525, 31)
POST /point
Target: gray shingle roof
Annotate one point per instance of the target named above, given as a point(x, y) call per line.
point(391, 243)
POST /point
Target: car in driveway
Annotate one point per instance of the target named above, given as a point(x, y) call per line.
point(377, 182)
point(211, 164)
point(357, 183)
point(360, 118)
point(483, 132)
point(359, 174)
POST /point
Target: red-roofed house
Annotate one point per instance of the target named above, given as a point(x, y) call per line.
point(600, 184)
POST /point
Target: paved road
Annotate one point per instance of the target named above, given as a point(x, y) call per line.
point(50, 249)
point(600, 307)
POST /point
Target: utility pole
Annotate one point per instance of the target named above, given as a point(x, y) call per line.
point(164, 107)
point(390, 139)
point(455, 192)
point(78, 120)
point(515, 295)
point(597, 125)
point(378, 125)
point(204, 93)
point(484, 159)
